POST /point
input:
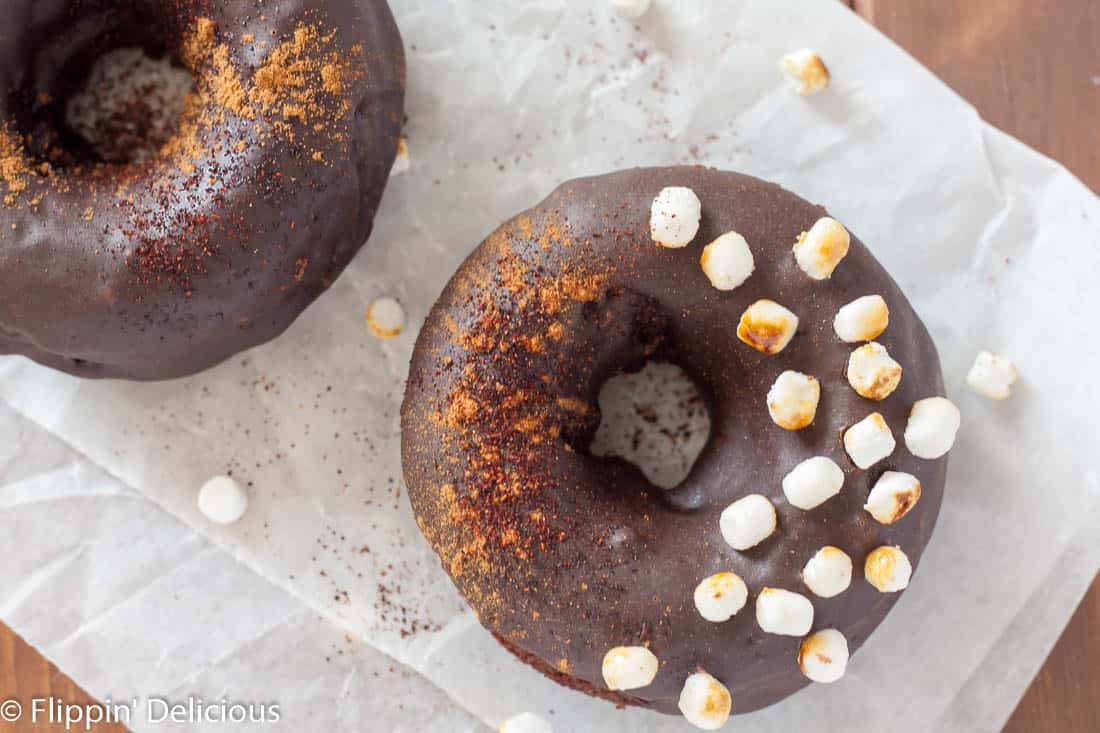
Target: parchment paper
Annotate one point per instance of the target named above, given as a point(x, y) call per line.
point(136, 605)
point(994, 244)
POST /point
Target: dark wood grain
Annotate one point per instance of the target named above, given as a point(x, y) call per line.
point(1065, 695)
point(1032, 69)
point(26, 675)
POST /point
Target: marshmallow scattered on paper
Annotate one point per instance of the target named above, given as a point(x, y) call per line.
point(134, 604)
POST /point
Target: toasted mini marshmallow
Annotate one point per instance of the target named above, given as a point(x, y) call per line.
point(782, 612)
point(829, 572)
point(862, 320)
point(727, 261)
point(705, 702)
point(888, 569)
point(747, 522)
point(222, 500)
point(525, 723)
point(869, 441)
point(767, 326)
point(892, 496)
point(805, 70)
point(933, 424)
point(629, 667)
point(792, 400)
point(812, 482)
point(872, 372)
point(821, 249)
point(674, 217)
point(386, 318)
point(823, 655)
point(992, 376)
point(720, 596)
point(402, 162)
point(631, 9)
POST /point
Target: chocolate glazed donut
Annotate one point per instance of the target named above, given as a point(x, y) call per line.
point(160, 268)
point(565, 555)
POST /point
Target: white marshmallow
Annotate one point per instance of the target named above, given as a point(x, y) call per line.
point(933, 424)
point(629, 667)
point(892, 496)
point(813, 482)
point(782, 612)
point(386, 318)
point(805, 70)
point(829, 572)
point(720, 596)
point(823, 656)
point(888, 569)
point(821, 249)
point(792, 400)
point(525, 723)
point(767, 326)
point(872, 372)
point(992, 376)
point(674, 217)
point(631, 9)
point(402, 162)
point(705, 702)
point(222, 500)
point(747, 522)
point(727, 261)
point(862, 320)
point(869, 441)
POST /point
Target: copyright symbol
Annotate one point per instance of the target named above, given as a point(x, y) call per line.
point(11, 711)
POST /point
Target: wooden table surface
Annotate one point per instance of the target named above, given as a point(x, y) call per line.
point(1032, 69)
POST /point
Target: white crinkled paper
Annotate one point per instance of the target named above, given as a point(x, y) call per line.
point(134, 604)
point(994, 244)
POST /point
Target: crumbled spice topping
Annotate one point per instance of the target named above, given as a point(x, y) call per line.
point(499, 506)
point(14, 166)
point(179, 210)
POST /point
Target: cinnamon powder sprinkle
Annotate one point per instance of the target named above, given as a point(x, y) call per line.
point(302, 86)
point(14, 167)
point(181, 221)
point(499, 503)
point(226, 86)
point(303, 80)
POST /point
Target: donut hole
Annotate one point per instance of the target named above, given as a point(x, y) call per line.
point(129, 106)
point(107, 88)
point(655, 418)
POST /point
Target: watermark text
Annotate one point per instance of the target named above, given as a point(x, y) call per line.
point(75, 716)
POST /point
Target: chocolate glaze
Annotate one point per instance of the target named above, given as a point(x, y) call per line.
point(564, 555)
point(157, 270)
